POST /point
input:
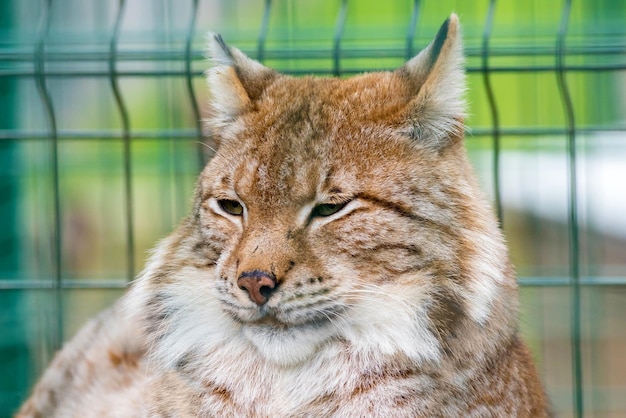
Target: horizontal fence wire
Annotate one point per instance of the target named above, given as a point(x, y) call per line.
point(185, 134)
point(72, 72)
point(117, 283)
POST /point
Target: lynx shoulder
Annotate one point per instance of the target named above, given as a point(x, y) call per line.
point(339, 260)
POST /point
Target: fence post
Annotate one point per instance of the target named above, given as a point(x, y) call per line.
point(16, 368)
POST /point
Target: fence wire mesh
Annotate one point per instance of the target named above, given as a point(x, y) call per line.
point(101, 139)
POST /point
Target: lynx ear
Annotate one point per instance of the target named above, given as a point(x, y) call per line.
point(436, 74)
point(235, 82)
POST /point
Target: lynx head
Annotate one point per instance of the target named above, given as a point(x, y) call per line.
point(345, 210)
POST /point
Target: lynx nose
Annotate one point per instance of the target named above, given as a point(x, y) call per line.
point(259, 285)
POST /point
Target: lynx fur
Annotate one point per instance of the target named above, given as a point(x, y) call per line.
point(339, 261)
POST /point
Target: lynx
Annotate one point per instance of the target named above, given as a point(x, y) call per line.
point(339, 261)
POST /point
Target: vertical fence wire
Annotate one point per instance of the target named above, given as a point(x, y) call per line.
point(48, 105)
point(260, 51)
point(574, 241)
point(339, 27)
point(189, 83)
point(493, 107)
point(410, 35)
point(128, 183)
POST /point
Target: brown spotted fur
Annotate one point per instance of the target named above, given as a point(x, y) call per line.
point(403, 303)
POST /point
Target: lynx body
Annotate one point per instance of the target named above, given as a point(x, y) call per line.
point(339, 260)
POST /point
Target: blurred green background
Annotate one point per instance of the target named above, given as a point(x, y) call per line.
point(98, 123)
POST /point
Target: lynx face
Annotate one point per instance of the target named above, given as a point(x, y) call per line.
point(345, 209)
point(315, 243)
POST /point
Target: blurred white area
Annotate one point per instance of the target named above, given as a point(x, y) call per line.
point(537, 181)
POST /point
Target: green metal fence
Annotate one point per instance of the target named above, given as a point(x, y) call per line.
point(100, 142)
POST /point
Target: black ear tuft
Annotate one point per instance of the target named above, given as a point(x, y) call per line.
point(222, 44)
point(437, 79)
point(235, 81)
point(439, 41)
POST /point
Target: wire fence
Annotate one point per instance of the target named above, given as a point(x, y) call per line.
point(571, 56)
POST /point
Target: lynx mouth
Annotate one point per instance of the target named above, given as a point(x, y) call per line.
point(281, 313)
point(269, 320)
point(281, 319)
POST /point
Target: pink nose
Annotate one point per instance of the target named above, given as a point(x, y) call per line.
point(258, 284)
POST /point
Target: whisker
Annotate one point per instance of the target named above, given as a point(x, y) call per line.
point(206, 145)
point(380, 292)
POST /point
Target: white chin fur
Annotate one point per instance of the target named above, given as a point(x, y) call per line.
point(387, 329)
point(370, 328)
point(288, 346)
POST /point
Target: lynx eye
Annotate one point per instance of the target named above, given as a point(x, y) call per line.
point(328, 209)
point(231, 207)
